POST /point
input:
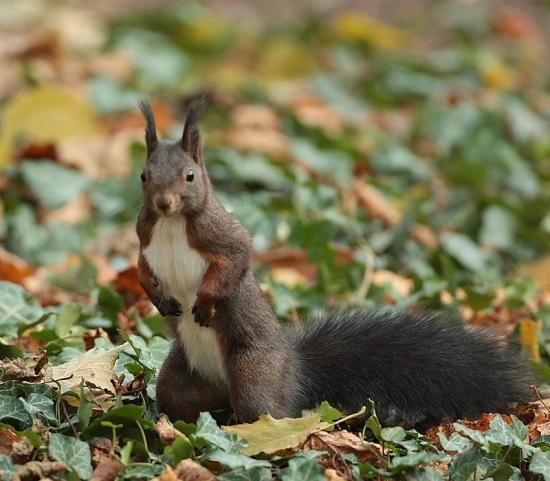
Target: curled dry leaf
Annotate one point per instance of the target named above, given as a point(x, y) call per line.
point(38, 470)
point(128, 286)
point(7, 439)
point(402, 285)
point(91, 335)
point(107, 469)
point(13, 268)
point(189, 470)
point(344, 442)
point(167, 433)
point(20, 369)
point(377, 206)
point(332, 475)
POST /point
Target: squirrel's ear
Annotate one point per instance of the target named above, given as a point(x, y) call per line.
point(191, 138)
point(151, 139)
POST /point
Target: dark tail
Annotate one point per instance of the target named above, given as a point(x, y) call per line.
point(415, 367)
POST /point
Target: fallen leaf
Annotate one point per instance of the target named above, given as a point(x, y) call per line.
point(30, 114)
point(187, 470)
point(344, 442)
point(352, 25)
point(94, 366)
point(13, 268)
point(38, 470)
point(107, 469)
point(20, 369)
point(127, 285)
point(269, 435)
point(529, 332)
point(7, 439)
point(402, 285)
point(166, 431)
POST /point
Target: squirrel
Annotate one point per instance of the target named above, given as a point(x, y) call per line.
point(231, 351)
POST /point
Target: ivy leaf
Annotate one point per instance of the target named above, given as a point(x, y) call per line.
point(235, 461)
point(327, 413)
point(38, 405)
point(464, 465)
point(393, 435)
point(12, 409)
point(208, 433)
point(465, 251)
point(52, 184)
point(455, 443)
point(540, 464)
point(303, 469)
point(7, 468)
point(73, 452)
point(16, 309)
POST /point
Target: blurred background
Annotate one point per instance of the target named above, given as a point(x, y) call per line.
point(381, 152)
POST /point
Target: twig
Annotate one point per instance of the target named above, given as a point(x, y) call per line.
point(364, 287)
point(536, 391)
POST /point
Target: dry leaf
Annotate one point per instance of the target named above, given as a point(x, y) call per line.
point(167, 433)
point(107, 469)
point(268, 435)
point(187, 470)
point(20, 369)
point(7, 439)
point(332, 475)
point(38, 470)
point(344, 442)
point(95, 367)
point(402, 285)
point(31, 112)
point(529, 332)
point(13, 268)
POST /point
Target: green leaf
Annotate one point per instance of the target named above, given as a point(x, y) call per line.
point(235, 461)
point(455, 443)
point(73, 452)
point(67, 317)
point(540, 464)
point(141, 471)
point(52, 184)
point(394, 434)
point(373, 423)
point(465, 251)
point(497, 228)
point(40, 406)
point(12, 409)
point(327, 413)
point(464, 465)
point(209, 434)
point(241, 474)
point(412, 460)
point(424, 474)
point(85, 409)
point(16, 309)
point(301, 469)
point(7, 468)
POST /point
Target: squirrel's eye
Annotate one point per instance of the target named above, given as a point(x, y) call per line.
point(190, 175)
point(142, 176)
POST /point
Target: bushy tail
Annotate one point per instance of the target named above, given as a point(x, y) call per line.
point(416, 367)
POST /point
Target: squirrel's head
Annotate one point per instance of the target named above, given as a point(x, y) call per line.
point(174, 179)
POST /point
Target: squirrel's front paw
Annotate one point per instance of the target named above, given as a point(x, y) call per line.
point(203, 310)
point(170, 307)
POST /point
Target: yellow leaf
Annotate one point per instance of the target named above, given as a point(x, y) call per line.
point(94, 366)
point(358, 26)
point(45, 114)
point(498, 75)
point(529, 331)
point(268, 435)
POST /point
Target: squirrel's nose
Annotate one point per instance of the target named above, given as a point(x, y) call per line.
point(164, 203)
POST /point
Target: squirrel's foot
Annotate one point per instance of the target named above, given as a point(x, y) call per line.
point(203, 310)
point(170, 307)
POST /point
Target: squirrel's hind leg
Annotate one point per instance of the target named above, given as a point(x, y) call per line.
point(183, 394)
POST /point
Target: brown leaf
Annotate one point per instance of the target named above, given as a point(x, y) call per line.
point(13, 268)
point(187, 470)
point(128, 286)
point(332, 475)
point(402, 285)
point(377, 206)
point(19, 369)
point(91, 335)
point(288, 265)
point(515, 23)
point(344, 442)
point(7, 440)
point(167, 433)
point(107, 469)
point(38, 470)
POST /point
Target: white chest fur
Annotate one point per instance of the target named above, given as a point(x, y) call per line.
point(180, 270)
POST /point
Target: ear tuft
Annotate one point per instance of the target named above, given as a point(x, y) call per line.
point(191, 138)
point(151, 139)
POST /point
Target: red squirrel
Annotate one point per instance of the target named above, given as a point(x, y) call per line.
point(230, 350)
